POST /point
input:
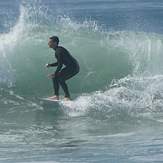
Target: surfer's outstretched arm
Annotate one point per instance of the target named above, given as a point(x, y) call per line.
point(52, 64)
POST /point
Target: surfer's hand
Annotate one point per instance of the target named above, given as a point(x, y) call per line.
point(51, 75)
point(47, 65)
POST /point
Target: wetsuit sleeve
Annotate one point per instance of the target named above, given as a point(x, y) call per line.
point(54, 64)
point(60, 63)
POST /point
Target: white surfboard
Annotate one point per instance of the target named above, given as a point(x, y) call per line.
point(46, 100)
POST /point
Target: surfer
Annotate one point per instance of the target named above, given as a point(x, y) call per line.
point(62, 73)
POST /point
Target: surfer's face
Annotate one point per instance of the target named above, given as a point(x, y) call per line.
point(52, 44)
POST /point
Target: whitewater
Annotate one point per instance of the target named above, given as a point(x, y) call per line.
point(116, 113)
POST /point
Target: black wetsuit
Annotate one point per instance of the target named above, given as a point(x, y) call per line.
point(61, 75)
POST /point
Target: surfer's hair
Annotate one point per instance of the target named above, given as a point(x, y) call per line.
point(55, 39)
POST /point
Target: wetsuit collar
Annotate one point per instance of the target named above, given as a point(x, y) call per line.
point(56, 47)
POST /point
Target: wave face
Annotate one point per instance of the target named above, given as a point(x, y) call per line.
point(116, 112)
point(119, 69)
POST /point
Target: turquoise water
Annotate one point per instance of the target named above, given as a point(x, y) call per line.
point(116, 112)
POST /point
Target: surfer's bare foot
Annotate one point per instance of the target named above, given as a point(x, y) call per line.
point(66, 99)
point(54, 97)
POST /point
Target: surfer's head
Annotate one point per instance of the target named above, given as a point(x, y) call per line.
point(53, 42)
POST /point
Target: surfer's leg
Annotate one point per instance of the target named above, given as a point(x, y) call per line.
point(55, 86)
point(64, 75)
point(65, 88)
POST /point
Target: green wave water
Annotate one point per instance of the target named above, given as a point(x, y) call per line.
point(122, 65)
point(116, 112)
point(104, 57)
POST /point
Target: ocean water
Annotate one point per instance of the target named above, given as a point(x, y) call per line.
point(117, 110)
